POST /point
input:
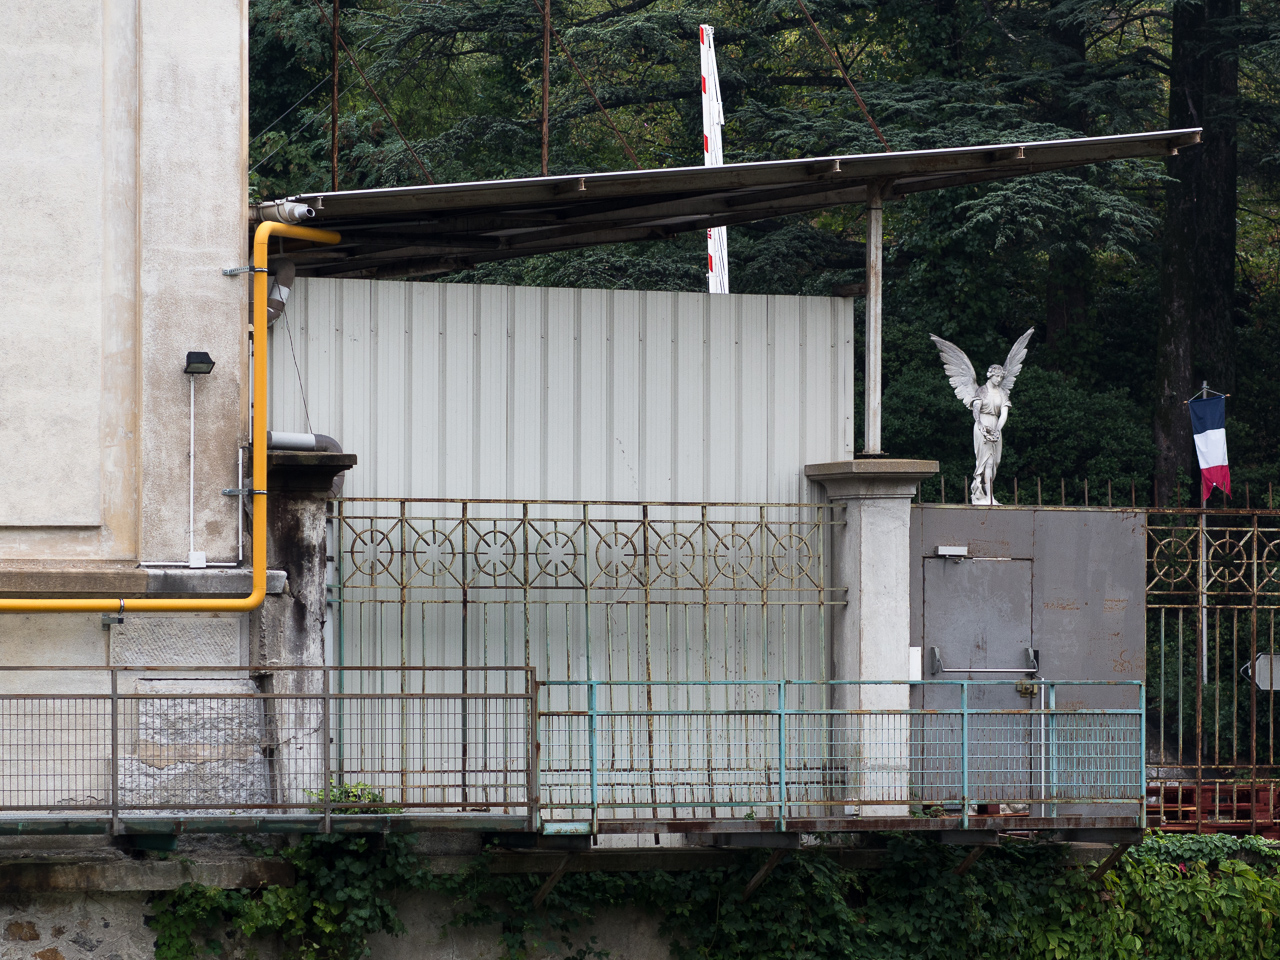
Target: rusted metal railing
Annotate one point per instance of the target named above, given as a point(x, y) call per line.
point(193, 747)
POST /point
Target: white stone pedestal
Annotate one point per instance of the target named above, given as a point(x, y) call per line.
point(871, 636)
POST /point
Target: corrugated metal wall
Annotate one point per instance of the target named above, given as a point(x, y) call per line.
point(463, 390)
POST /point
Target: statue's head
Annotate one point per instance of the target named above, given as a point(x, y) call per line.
point(995, 372)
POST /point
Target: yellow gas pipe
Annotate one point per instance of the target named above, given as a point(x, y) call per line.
point(83, 605)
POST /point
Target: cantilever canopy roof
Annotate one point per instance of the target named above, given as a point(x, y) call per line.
point(409, 231)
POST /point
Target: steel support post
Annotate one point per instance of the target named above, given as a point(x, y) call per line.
point(591, 737)
point(115, 754)
point(324, 752)
point(1052, 747)
point(782, 756)
point(535, 750)
point(875, 289)
point(964, 755)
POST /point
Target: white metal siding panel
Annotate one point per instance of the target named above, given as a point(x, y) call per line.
point(461, 390)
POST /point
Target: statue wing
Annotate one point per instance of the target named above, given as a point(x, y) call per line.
point(1013, 366)
point(959, 370)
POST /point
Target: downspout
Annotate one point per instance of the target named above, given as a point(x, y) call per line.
point(84, 605)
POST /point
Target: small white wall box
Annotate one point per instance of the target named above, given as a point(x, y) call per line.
point(954, 552)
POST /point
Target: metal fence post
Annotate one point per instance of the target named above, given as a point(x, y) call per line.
point(535, 750)
point(964, 754)
point(1052, 746)
point(115, 753)
point(1142, 754)
point(782, 756)
point(324, 751)
point(591, 740)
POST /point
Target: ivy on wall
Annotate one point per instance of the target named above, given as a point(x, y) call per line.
point(1172, 897)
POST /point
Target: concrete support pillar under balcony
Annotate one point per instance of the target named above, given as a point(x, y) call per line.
point(289, 629)
point(871, 634)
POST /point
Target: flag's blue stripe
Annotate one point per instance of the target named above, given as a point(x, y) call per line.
point(1208, 414)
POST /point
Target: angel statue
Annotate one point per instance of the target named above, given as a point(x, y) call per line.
point(990, 406)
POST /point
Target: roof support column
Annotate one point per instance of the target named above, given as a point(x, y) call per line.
point(875, 286)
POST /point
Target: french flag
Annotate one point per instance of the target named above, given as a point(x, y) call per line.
point(1209, 424)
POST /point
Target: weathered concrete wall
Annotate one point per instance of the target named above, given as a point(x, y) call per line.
point(79, 898)
point(628, 934)
point(104, 926)
point(124, 165)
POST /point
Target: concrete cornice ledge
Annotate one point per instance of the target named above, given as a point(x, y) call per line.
point(872, 477)
point(22, 878)
point(109, 583)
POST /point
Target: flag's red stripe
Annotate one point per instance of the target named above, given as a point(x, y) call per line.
point(1211, 477)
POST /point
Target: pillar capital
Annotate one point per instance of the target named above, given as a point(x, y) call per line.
point(871, 477)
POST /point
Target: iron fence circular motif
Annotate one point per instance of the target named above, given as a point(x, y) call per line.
point(1269, 575)
point(1228, 562)
point(1172, 563)
point(676, 555)
point(734, 555)
point(791, 556)
point(495, 553)
point(557, 554)
point(372, 552)
point(616, 554)
point(434, 553)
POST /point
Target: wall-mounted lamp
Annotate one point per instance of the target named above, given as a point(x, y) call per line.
point(198, 362)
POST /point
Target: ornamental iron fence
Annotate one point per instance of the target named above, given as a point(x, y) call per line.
point(1213, 594)
point(586, 590)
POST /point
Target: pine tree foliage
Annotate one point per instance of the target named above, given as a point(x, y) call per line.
point(1076, 253)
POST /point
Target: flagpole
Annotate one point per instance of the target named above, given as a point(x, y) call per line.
point(1204, 597)
point(713, 155)
point(1203, 569)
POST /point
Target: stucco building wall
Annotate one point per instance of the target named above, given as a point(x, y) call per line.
point(124, 166)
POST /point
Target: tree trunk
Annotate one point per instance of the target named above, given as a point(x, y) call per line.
point(1067, 285)
point(1196, 335)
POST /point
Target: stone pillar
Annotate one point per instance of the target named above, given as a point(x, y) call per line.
point(290, 628)
point(871, 636)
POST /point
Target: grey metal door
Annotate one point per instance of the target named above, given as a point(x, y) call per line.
point(977, 615)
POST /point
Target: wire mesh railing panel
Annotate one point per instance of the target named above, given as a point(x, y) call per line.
point(433, 738)
point(227, 741)
point(55, 753)
point(791, 755)
point(937, 758)
point(205, 744)
point(1095, 757)
point(223, 742)
point(439, 751)
point(1006, 756)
